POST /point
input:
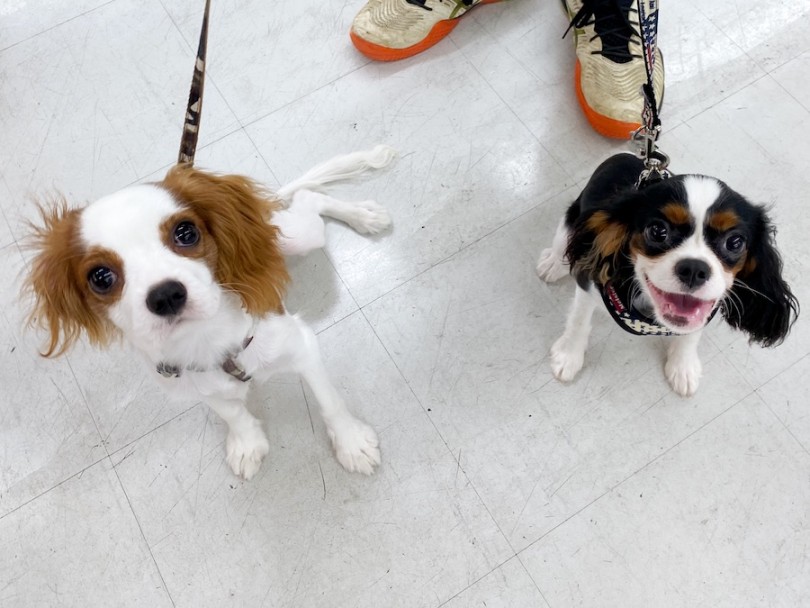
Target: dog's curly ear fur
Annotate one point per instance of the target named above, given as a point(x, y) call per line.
point(596, 241)
point(236, 212)
point(760, 302)
point(60, 305)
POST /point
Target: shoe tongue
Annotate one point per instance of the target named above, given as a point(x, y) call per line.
point(612, 25)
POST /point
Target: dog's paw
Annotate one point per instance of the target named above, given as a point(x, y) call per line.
point(369, 217)
point(550, 267)
point(683, 374)
point(565, 360)
point(356, 446)
point(246, 450)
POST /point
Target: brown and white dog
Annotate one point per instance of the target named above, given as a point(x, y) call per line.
point(191, 271)
point(664, 258)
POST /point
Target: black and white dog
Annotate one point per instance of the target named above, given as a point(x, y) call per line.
point(664, 258)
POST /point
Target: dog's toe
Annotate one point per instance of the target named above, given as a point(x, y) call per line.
point(245, 451)
point(565, 361)
point(369, 217)
point(356, 447)
point(683, 375)
point(550, 267)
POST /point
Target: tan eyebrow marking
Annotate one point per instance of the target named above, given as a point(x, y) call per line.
point(676, 213)
point(723, 220)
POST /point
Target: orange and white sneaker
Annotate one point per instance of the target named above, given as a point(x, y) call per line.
point(610, 66)
point(387, 30)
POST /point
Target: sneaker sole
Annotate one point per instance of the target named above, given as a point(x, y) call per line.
point(437, 32)
point(604, 125)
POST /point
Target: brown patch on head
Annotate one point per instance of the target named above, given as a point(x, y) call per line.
point(676, 214)
point(234, 212)
point(608, 239)
point(746, 267)
point(57, 282)
point(636, 246)
point(610, 236)
point(724, 220)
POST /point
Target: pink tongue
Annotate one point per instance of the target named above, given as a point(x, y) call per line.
point(683, 305)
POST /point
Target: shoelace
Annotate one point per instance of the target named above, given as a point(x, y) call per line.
point(611, 21)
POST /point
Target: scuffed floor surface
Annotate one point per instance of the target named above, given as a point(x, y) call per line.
point(499, 486)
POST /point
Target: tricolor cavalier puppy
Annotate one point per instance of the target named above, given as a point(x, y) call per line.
point(664, 259)
point(191, 271)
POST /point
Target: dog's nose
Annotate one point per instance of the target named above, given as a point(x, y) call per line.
point(167, 298)
point(693, 273)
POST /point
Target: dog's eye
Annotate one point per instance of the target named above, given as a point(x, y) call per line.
point(101, 279)
point(735, 243)
point(656, 232)
point(186, 234)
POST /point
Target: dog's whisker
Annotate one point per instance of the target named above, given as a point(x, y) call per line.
point(738, 283)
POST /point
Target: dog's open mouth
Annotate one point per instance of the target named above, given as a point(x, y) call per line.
point(681, 309)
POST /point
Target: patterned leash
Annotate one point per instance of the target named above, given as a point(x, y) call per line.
point(645, 137)
point(191, 126)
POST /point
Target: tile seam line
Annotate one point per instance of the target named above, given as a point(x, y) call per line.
point(636, 472)
point(511, 110)
point(441, 437)
point(143, 536)
point(252, 121)
point(108, 455)
point(56, 25)
point(475, 582)
point(697, 7)
point(806, 449)
point(128, 444)
point(781, 86)
point(207, 144)
point(79, 473)
point(768, 379)
point(784, 426)
point(208, 78)
point(464, 248)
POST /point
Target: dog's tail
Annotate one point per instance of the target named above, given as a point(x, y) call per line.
point(339, 168)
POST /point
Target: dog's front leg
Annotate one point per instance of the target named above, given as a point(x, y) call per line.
point(683, 368)
point(355, 443)
point(246, 444)
point(568, 352)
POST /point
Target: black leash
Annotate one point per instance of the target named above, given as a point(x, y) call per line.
point(655, 161)
point(191, 126)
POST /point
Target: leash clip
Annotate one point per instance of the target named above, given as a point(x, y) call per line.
point(655, 161)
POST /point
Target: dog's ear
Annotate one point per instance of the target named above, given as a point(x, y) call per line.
point(760, 302)
point(236, 212)
point(595, 244)
point(60, 304)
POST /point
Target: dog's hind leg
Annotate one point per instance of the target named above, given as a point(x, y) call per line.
point(301, 224)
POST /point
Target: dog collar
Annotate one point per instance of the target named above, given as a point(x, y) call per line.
point(628, 318)
point(631, 319)
point(230, 366)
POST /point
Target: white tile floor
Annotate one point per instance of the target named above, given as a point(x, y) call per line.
point(500, 487)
